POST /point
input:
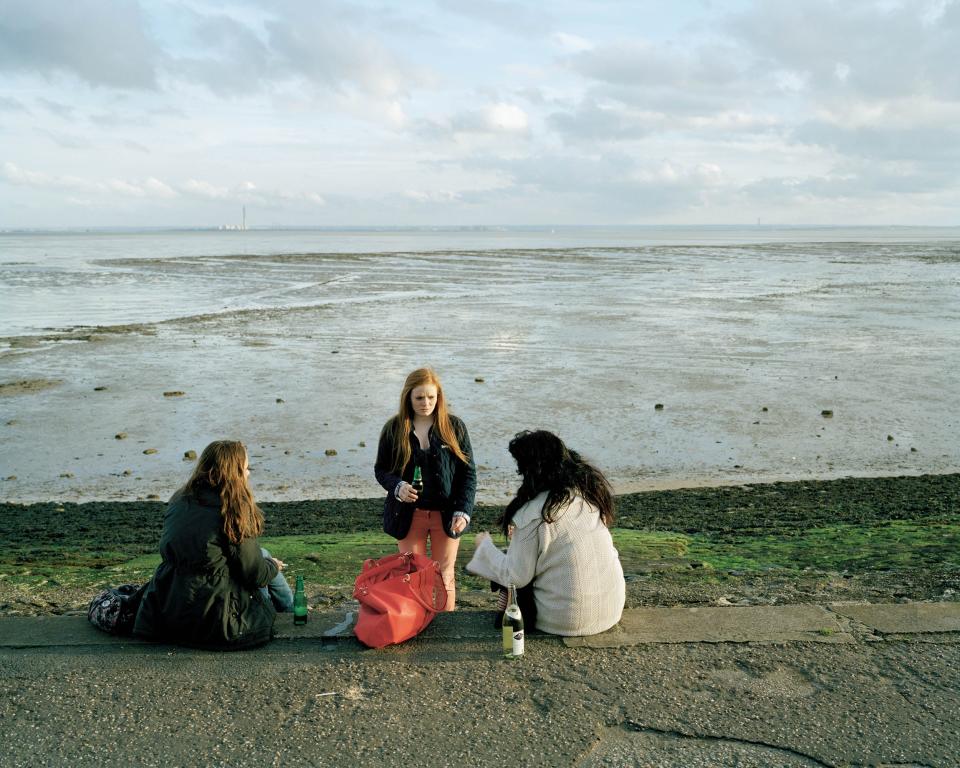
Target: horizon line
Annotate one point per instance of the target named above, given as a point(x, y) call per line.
point(107, 228)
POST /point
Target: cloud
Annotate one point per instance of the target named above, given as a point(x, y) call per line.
point(66, 141)
point(506, 118)
point(612, 121)
point(857, 47)
point(155, 189)
point(14, 174)
point(11, 105)
point(496, 119)
point(248, 192)
point(235, 59)
point(572, 43)
point(639, 63)
point(608, 186)
point(432, 197)
point(58, 108)
point(102, 42)
point(114, 44)
point(925, 143)
point(327, 50)
point(513, 17)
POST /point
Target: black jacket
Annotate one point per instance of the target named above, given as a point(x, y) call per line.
point(455, 480)
point(205, 592)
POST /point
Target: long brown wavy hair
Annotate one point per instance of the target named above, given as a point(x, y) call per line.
point(400, 425)
point(221, 468)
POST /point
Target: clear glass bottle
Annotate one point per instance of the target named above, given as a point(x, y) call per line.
point(512, 627)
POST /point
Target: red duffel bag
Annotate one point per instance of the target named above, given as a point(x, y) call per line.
point(399, 596)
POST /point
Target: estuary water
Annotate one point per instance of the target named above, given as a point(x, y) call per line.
point(669, 356)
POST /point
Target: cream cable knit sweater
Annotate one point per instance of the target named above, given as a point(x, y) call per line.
point(579, 587)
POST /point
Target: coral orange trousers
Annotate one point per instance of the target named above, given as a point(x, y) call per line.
point(428, 524)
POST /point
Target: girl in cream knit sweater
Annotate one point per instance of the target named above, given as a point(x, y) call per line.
point(560, 549)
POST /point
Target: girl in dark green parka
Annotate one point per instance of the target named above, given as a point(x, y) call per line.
point(206, 592)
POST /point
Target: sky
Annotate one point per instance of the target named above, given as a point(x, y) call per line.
point(479, 112)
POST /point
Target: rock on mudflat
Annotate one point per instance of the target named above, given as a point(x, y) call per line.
point(658, 407)
point(99, 389)
point(148, 451)
point(330, 452)
point(826, 413)
point(66, 474)
point(479, 379)
point(174, 393)
point(189, 455)
point(280, 400)
point(120, 436)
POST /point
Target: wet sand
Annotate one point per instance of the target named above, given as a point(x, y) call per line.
point(667, 366)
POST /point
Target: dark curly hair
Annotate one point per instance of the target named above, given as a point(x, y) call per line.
point(546, 464)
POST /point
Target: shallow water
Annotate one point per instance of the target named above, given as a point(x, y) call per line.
point(584, 336)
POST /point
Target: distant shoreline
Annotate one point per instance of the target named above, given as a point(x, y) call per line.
point(454, 228)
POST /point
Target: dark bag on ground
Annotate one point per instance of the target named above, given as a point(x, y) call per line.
point(114, 610)
point(399, 595)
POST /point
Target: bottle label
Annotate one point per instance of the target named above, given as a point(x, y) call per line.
point(517, 643)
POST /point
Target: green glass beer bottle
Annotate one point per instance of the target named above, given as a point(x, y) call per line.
point(299, 603)
point(512, 627)
point(417, 480)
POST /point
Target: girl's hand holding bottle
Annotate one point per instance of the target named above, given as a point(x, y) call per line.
point(407, 494)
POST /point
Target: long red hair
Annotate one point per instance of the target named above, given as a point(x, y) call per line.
point(401, 424)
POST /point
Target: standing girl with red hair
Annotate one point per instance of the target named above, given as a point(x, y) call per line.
point(424, 435)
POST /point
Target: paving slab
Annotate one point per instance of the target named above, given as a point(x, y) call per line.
point(735, 624)
point(747, 624)
point(51, 631)
point(903, 618)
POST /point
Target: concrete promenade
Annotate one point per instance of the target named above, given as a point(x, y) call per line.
point(794, 685)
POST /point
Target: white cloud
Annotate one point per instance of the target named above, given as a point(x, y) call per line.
point(102, 42)
point(433, 196)
point(204, 189)
point(477, 110)
point(513, 17)
point(572, 43)
point(506, 117)
point(493, 120)
point(155, 189)
point(11, 105)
